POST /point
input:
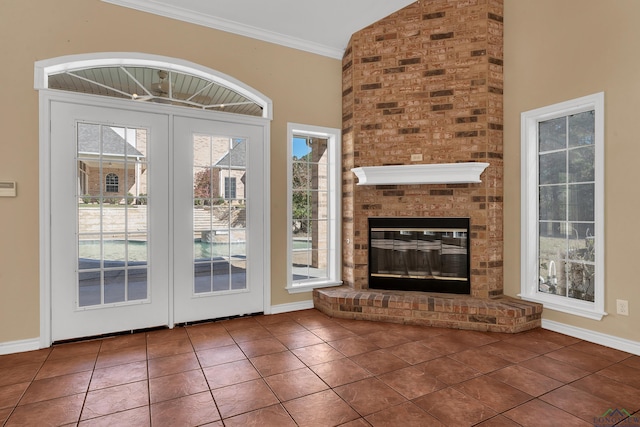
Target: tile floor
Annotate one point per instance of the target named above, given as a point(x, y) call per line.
point(306, 369)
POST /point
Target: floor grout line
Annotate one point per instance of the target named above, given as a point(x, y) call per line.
point(245, 331)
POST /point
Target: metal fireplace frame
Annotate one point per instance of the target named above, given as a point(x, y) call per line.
point(411, 282)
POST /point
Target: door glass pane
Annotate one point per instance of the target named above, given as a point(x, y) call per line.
point(137, 282)
point(114, 285)
point(90, 290)
point(112, 215)
point(238, 270)
point(219, 213)
point(219, 275)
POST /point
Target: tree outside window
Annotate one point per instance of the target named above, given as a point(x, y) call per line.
point(566, 188)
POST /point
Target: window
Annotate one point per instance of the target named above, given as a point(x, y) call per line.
point(153, 79)
point(111, 183)
point(563, 206)
point(172, 179)
point(314, 207)
point(229, 188)
point(151, 84)
point(83, 178)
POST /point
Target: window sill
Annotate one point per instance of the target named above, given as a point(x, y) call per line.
point(308, 287)
point(547, 303)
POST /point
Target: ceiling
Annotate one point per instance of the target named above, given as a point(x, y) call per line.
point(322, 27)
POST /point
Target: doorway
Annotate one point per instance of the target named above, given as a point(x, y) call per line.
point(152, 227)
point(218, 229)
point(109, 257)
point(158, 215)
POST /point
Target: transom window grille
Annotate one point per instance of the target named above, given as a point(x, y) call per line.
point(149, 84)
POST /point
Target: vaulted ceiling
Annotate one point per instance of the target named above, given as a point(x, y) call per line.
point(322, 27)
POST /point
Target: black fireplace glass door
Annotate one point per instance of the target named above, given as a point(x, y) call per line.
point(424, 254)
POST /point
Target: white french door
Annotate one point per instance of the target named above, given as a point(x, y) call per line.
point(109, 246)
point(155, 219)
point(218, 220)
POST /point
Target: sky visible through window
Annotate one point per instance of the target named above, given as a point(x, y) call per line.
point(300, 147)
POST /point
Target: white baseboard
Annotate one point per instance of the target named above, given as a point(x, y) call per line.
point(621, 344)
point(292, 306)
point(34, 343)
point(19, 346)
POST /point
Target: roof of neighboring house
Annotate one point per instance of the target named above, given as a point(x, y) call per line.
point(236, 157)
point(112, 143)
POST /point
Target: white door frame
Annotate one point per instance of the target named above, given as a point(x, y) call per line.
point(45, 249)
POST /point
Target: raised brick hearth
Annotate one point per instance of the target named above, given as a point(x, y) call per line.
point(426, 82)
point(501, 314)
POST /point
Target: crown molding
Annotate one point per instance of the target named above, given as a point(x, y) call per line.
point(228, 26)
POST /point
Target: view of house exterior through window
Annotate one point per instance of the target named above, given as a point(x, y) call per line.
point(112, 215)
point(310, 204)
point(219, 213)
point(113, 219)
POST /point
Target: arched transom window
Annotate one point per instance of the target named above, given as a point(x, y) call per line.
point(151, 79)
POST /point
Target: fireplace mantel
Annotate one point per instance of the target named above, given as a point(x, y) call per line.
point(436, 173)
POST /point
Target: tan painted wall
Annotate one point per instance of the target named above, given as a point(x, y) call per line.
point(556, 50)
point(304, 88)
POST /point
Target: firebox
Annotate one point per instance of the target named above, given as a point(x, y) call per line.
point(419, 254)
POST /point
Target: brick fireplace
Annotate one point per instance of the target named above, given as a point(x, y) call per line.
point(424, 86)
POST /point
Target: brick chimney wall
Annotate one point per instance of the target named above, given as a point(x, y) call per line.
point(427, 80)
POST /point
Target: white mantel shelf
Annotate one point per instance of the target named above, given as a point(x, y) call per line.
point(436, 173)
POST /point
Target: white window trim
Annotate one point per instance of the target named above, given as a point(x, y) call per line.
point(335, 209)
point(529, 207)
